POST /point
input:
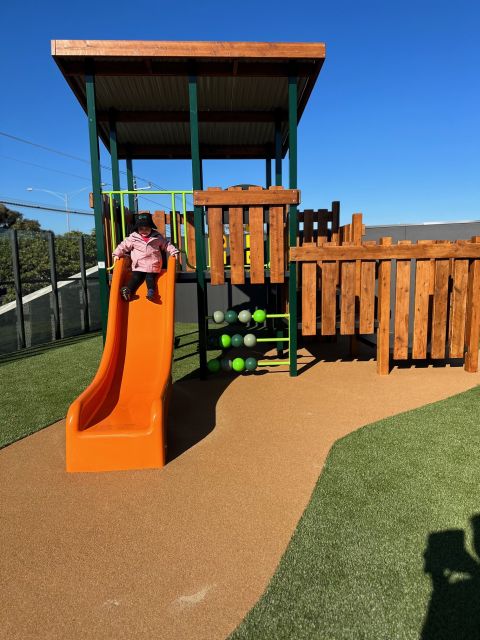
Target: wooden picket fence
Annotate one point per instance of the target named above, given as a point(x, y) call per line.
point(348, 288)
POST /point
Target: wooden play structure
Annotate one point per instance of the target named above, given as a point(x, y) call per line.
point(213, 100)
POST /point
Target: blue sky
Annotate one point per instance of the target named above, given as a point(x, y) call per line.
point(392, 128)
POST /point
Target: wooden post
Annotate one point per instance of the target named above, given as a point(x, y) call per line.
point(383, 330)
point(473, 315)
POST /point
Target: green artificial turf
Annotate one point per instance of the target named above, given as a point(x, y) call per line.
point(355, 566)
point(38, 389)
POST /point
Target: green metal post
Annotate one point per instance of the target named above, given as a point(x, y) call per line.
point(268, 172)
point(97, 197)
point(293, 221)
point(202, 305)
point(115, 167)
point(278, 153)
point(131, 197)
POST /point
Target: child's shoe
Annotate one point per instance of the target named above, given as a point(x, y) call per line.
point(125, 293)
point(150, 294)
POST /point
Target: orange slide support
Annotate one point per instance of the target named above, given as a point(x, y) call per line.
point(119, 421)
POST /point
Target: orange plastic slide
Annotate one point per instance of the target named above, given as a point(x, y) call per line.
point(119, 421)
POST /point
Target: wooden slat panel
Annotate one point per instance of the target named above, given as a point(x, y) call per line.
point(347, 307)
point(192, 258)
point(440, 309)
point(307, 226)
point(458, 309)
point(367, 297)
point(472, 338)
point(309, 299)
point(329, 298)
point(237, 258)
point(356, 228)
point(257, 247)
point(215, 235)
point(375, 252)
point(402, 308)
point(159, 220)
point(431, 286)
point(420, 321)
point(357, 231)
point(254, 197)
point(383, 330)
point(277, 250)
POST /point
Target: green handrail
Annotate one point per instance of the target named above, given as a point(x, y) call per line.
point(173, 220)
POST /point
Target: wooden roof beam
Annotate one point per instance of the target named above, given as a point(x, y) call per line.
point(188, 49)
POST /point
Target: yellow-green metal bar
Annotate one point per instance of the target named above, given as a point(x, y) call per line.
point(112, 224)
point(122, 211)
point(184, 211)
point(146, 193)
point(275, 363)
point(173, 219)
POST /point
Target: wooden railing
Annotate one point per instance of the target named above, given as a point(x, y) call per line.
point(445, 294)
point(264, 211)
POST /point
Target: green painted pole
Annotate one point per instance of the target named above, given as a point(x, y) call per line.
point(202, 304)
point(115, 169)
point(114, 153)
point(97, 197)
point(131, 196)
point(293, 218)
point(278, 153)
point(268, 172)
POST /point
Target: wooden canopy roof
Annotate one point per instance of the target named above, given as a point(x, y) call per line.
point(143, 85)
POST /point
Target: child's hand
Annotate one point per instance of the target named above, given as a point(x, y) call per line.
point(115, 258)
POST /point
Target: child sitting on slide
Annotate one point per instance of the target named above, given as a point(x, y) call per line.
point(145, 246)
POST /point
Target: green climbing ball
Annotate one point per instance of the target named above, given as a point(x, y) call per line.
point(249, 340)
point(250, 364)
point(218, 317)
point(226, 364)
point(238, 365)
point(237, 340)
point(231, 316)
point(213, 365)
point(259, 315)
point(245, 316)
point(225, 341)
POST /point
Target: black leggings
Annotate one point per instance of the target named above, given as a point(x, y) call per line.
point(138, 277)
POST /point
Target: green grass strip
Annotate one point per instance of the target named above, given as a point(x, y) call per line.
point(38, 389)
point(355, 568)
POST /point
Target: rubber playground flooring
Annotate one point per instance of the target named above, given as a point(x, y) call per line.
point(186, 551)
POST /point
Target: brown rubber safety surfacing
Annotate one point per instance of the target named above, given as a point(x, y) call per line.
point(184, 552)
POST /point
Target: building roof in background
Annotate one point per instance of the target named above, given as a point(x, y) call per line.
point(242, 92)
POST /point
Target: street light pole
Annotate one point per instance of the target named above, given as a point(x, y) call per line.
point(63, 196)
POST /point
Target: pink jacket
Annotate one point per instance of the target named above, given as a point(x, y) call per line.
point(146, 256)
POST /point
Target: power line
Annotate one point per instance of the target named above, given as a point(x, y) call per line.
point(72, 157)
point(40, 166)
point(43, 207)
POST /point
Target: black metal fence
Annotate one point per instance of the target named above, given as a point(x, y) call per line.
point(48, 287)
